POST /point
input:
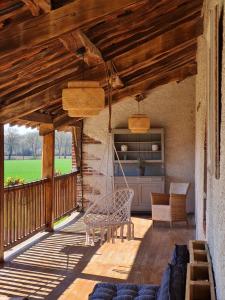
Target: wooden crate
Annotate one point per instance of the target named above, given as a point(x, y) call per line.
point(199, 252)
point(199, 284)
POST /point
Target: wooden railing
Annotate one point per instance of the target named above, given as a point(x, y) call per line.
point(24, 210)
point(25, 206)
point(65, 194)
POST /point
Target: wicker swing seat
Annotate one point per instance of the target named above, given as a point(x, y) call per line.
point(109, 213)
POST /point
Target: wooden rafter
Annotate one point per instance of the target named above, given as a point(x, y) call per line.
point(62, 20)
point(25, 107)
point(38, 117)
point(150, 42)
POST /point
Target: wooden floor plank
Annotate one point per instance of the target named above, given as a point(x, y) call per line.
point(60, 266)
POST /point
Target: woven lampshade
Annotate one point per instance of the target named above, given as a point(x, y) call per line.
point(139, 123)
point(82, 113)
point(83, 98)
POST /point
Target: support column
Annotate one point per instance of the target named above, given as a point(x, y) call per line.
point(48, 159)
point(1, 193)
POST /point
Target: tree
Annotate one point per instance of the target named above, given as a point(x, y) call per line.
point(11, 140)
point(33, 141)
point(59, 140)
point(67, 144)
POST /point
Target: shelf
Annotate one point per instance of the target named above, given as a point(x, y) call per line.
point(154, 142)
point(137, 161)
point(138, 151)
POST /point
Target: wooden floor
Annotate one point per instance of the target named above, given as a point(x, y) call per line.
point(60, 266)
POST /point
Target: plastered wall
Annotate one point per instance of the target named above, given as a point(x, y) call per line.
point(215, 229)
point(172, 107)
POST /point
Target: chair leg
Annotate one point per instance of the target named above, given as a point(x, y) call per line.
point(87, 242)
point(132, 230)
point(109, 234)
point(93, 236)
point(171, 224)
point(128, 231)
point(121, 232)
point(113, 234)
point(102, 236)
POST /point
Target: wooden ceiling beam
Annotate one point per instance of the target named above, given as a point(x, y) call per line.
point(12, 12)
point(117, 42)
point(141, 58)
point(38, 117)
point(36, 6)
point(26, 106)
point(64, 120)
point(178, 75)
point(185, 54)
point(8, 113)
point(54, 24)
point(37, 83)
point(76, 41)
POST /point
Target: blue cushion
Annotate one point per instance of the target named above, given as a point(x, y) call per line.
point(177, 282)
point(109, 291)
point(164, 290)
point(180, 255)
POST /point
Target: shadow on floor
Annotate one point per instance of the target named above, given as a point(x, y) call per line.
point(49, 267)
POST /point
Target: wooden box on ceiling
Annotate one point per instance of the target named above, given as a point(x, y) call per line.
point(83, 98)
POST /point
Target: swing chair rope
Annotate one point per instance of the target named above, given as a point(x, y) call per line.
point(108, 71)
point(124, 176)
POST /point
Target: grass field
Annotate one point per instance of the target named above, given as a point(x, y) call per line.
point(30, 170)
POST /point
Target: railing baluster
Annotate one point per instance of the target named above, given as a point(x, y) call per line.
point(25, 206)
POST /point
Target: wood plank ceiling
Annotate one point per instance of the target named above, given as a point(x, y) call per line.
point(150, 42)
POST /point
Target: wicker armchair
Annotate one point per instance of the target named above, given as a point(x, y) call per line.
point(170, 207)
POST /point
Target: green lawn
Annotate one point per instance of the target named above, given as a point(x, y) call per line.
point(30, 170)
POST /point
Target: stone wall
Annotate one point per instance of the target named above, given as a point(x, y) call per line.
point(215, 212)
point(170, 106)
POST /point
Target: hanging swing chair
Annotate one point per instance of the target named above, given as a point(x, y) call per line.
point(112, 211)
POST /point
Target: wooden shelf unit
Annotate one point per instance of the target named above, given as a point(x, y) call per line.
point(199, 282)
point(139, 145)
point(143, 167)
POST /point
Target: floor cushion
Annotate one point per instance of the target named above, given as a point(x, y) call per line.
point(180, 255)
point(164, 290)
point(177, 282)
point(110, 291)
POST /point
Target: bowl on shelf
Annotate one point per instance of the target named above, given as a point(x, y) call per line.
point(124, 148)
point(155, 147)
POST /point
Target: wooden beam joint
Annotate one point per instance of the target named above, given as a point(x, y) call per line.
point(36, 6)
point(78, 43)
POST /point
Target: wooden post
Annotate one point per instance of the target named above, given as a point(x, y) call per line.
point(48, 157)
point(1, 193)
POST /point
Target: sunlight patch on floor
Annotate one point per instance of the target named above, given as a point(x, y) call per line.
point(115, 261)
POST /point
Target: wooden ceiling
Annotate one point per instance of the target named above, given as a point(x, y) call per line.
point(150, 42)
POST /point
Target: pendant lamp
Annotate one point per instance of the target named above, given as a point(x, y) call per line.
point(139, 123)
point(83, 98)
